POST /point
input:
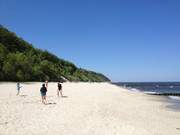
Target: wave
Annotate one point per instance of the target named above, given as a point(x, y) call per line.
point(134, 89)
point(150, 92)
point(174, 97)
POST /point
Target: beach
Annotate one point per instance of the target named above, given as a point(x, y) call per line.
point(85, 109)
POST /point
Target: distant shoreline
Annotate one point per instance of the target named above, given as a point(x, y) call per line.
point(171, 97)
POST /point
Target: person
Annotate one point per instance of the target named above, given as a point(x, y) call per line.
point(46, 82)
point(18, 88)
point(59, 89)
point(43, 91)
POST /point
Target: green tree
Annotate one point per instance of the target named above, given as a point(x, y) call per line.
point(3, 53)
point(17, 67)
point(20, 61)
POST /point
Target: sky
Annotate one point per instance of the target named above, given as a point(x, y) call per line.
point(126, 40)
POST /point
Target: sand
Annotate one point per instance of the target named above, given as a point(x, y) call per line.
point(87, 109)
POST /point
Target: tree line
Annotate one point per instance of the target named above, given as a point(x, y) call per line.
point(20, 61)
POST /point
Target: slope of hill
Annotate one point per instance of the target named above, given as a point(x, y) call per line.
point(20, 61)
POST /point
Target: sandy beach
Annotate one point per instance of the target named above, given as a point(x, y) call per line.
point(87, 109)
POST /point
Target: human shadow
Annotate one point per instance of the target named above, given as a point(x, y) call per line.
point(51, 103)
point(64, 96)
point(23, 96)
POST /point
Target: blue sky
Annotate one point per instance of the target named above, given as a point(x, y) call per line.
point(127, 40)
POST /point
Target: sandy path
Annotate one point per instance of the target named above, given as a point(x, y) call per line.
point(88, 109)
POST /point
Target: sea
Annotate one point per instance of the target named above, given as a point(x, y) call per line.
point(170, 90)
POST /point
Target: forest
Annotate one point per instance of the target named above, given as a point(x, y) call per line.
point(21, 61)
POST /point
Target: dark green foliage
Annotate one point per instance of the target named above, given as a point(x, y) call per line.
point(20, 61)
point(17, 67)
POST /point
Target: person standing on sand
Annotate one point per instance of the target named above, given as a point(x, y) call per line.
point(59, 89)
point(18, 88)
point(43, 91)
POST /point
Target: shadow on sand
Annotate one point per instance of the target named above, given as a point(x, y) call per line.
point(64, 96)
point(23, 96)
point(51, 103)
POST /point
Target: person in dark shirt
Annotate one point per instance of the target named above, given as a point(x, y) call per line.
point(59, 89)
point(43, 91)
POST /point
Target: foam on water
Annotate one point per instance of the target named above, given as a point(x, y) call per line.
point(174, 97)
point(150, 92)
point(134, 89)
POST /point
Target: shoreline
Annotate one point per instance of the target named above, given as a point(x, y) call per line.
point(89, 108)
point(172, 98)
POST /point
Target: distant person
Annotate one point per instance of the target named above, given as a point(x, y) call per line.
point(43, 91)
point(18, 88)
point(46, 83)
point(59, 89)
